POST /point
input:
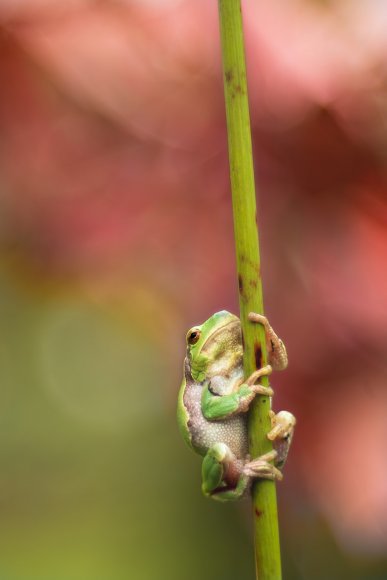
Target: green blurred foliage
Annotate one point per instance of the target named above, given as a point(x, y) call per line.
point(95, 481)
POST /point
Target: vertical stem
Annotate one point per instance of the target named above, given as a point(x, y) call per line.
point(267, 550)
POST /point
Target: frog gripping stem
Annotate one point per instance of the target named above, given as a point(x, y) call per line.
point(267, 550)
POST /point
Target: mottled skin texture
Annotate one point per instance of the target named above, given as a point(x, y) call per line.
point(214, 398)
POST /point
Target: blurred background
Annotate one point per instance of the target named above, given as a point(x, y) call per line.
point(116, 237)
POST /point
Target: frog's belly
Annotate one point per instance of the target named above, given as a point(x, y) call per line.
point(204, 434)
point(232, 432)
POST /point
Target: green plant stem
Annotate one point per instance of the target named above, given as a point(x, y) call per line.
point(267, 550)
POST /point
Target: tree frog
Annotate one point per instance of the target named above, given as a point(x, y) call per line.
point(214, 398)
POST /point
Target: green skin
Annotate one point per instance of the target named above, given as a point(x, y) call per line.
point(212, 405)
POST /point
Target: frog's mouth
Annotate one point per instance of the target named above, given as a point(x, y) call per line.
point(228, 332)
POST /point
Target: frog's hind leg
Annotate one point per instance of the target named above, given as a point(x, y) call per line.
point(226, 478)
point(222, 476)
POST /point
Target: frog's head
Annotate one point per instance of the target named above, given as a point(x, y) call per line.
point(215, 346)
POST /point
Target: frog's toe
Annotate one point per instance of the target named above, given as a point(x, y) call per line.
point(262, 468)
point(282, 424)
point(259, 318)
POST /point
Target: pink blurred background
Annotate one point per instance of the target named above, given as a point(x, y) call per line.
point(116, 236)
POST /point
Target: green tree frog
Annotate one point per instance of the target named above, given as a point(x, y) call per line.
point(214, 398)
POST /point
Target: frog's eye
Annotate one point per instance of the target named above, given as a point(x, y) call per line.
point(193, 335)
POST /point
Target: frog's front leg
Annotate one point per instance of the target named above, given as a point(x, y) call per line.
point(276, 350)
point(217, 406)
point(227, 478)
point(282, 430)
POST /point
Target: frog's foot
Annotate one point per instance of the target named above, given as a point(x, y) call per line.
point(260, 389)
point(277, 355)
point(282, 425)
point(262, 468)
point(281, 434)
